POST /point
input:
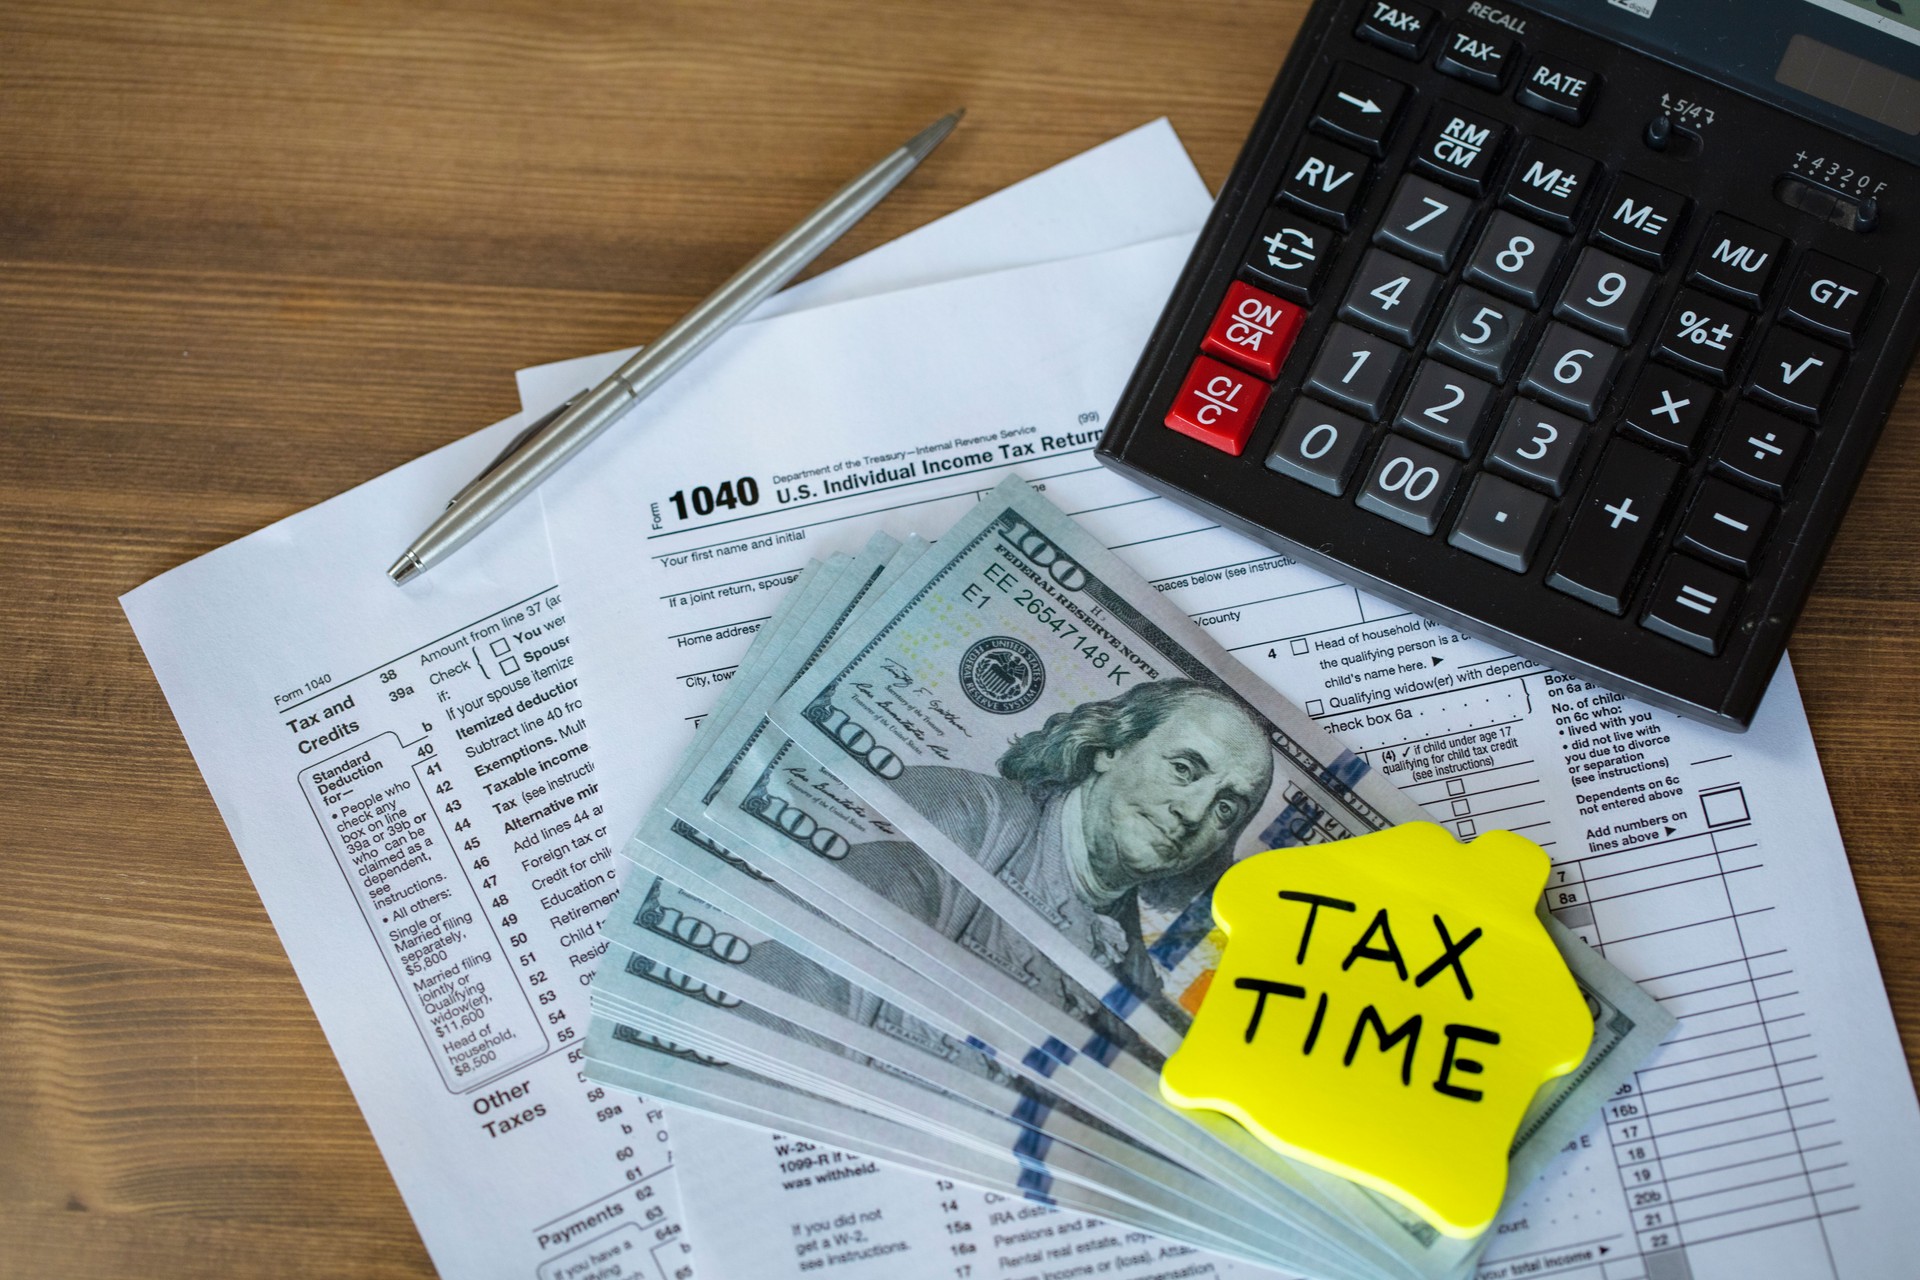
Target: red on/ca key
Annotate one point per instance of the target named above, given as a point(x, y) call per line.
point(1217, 405)
point(1254, 329)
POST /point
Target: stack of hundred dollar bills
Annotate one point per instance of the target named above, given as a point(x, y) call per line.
point(933, 884)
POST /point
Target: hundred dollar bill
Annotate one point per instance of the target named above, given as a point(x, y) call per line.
point(1016, 1004)
point(692, 941)
point(1049, 734)
point(669, 1002)
point(637, 1061)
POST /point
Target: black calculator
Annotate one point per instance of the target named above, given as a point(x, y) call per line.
point(1572, 324)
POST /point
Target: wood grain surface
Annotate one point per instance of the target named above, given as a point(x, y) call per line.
point(254, 253)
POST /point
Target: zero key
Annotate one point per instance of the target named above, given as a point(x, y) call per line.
point(1614, 526)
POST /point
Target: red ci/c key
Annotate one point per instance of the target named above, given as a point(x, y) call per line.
point(1217, 404)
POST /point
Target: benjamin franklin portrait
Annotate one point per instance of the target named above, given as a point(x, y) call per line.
point(1142, 796)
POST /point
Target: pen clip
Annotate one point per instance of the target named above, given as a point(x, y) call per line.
point(518, 443)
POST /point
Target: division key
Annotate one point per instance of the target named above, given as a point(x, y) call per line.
point(1615, 524)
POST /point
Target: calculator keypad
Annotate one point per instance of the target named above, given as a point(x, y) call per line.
point(1477, 54)
point(1515, 258)
point(1391, 296)
point(1548, 364)
point(1830, 298)
point(1726, 525)
point(1692, 603)
point(1606, 295)
point(1703, 333)
point(1319, 446)
point(1289, 254)
point(1572, 370)
point(1549, 183)
point(1359, 108)
point(1425, 222)
point(1668, 408)
point(1538, 445)
point(1326, 179)
point(1557, 88)
point(1501, 522)
point(1736, 258)
point(1253, 329)
point(1398, 28)
point(1446, 408)
point(1760, 449)
point(1409, 484)
point(1460, 147)
point(1795, 373)
point(1480, 332)
point(1614, 526)
point(1357, 370)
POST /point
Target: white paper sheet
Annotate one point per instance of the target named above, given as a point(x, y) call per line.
point(328, 711)
point(1776, 1134)
point(1137, 187)
point(334, 718)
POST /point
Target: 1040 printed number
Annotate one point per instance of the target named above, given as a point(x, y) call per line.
point(704, 501)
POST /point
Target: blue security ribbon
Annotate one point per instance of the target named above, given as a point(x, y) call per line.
point(1032, 1111)
point(1122, 999)
point(1101, 1049)
point(1049, 1056)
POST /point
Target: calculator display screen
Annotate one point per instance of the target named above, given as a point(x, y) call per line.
point(1896, 17)
point(1853, 65)
point(1862, 87)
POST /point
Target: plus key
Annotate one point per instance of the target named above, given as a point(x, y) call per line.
point(1615, 524)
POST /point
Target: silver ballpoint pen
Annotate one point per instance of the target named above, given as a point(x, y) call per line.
point(547, 444)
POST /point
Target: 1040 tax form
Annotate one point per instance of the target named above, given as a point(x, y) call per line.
point(414, 781)
point(1776, 1134)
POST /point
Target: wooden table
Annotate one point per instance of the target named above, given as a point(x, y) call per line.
point(252, 254)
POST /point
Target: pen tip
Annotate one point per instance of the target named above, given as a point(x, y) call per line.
point(405, 567)
point(923, 142)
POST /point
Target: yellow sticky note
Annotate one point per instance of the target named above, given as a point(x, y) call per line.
point(1385, 1009)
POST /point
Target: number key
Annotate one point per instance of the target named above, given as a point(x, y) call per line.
point(1409, 484)
point(1606, 295)
point(1357, 370)
point(1538, 445)
point(1318, 446)
point(1572, 370)
point(1446, 408)
point(1515, 258)
point(1390, 296)
point(1425, 221)
point(1480, 332)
